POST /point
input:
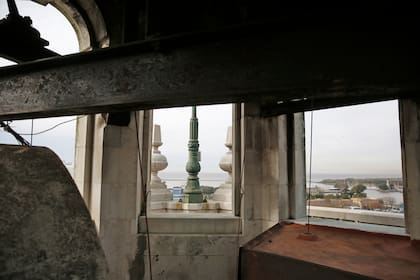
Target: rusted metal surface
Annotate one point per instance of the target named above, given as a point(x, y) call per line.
point(337, 253)
point(267, 64)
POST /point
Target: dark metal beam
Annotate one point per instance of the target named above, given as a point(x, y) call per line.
point(265, 64)
point(340, 99)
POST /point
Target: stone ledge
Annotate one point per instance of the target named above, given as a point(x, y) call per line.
point(198, 223)
point(362, 216)
point(351, 225)
point(170, 205)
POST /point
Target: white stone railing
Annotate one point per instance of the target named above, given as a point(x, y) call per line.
point(361, 216)
point(159, 193)
point(162, 198)
point(223, 195)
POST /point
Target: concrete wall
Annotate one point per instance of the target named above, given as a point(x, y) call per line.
point(187, 247)
point(190, 257)
point(118, 216)
point(88, 162)
point(274, 169)
point(410, 148)
point(261, 172)
point(83, 155)
point(120, 191)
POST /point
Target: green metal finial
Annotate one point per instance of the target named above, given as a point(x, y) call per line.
point(194, 113)
point(192, 192)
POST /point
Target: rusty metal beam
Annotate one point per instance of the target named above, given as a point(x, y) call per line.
point(332, 101)
point(265, 64)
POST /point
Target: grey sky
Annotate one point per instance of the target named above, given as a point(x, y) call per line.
point(213, 123)
point(351, 140)
point(55, 28)
point(361, 139)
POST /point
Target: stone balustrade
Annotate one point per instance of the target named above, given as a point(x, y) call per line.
point(356, 215)
point(160, 194)
point(223, 194)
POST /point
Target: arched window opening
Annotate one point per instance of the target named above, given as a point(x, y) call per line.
point(56, 133)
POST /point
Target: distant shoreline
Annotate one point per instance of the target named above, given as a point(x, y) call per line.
point(375, 181)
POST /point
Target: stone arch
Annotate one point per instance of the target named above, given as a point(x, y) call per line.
point(87, 21)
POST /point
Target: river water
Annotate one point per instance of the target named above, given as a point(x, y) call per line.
point(179, 179)
point(173, 179)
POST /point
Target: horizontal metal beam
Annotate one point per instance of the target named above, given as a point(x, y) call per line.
point(356, 97)
point(270, 66)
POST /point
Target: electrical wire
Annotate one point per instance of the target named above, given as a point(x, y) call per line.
point(51, 128)
point(241, 189)
point(308, 209)
point(32, 130)
point(23, 141)
point(310, 174)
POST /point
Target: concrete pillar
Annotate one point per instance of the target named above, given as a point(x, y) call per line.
point(273, 169)
point(410, 150)
point(260, 175)
point(83, 155)
point(122, 181)
point(88, 162)
point(283, 198)
point(292, 168)
point(296, 165)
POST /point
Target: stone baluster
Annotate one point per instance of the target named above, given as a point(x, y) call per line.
point(159, 192)
point(223, 195)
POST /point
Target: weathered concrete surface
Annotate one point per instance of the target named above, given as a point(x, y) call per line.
point(120, 192)
point(260, 172)
point(410, 148)
point(274, 188)
point(118, 196)
point(45, 229)
point(189, 257)
point(209, 69)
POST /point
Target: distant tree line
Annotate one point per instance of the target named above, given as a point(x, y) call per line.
point(356, 191)
point(353, 181)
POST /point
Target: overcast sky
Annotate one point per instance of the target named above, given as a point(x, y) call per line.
point(361, 139)
point(57, 30)
point(213, 123)
point(353, 140)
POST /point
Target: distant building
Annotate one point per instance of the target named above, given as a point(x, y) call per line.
point(177, 192)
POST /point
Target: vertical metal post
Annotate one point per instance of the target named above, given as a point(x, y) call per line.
point(192, 193)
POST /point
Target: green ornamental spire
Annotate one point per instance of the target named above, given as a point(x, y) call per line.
point(192, 192)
